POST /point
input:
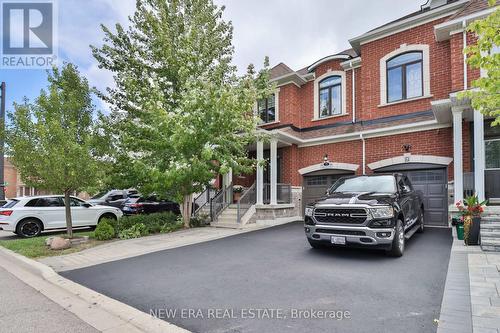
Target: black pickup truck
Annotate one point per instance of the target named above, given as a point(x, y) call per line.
point(377, 211)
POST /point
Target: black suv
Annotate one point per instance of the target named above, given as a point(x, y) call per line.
point(114, 198)
point(377, 211)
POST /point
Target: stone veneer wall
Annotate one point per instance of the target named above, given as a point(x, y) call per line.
point(269, 213)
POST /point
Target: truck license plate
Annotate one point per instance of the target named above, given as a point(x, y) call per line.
point(338, 240)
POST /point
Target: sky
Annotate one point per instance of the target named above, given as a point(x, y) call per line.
point(296, 32)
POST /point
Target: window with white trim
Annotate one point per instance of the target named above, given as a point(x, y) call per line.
point(404, 76)
point(266, 108)
point(491, 146)
point(330, 96)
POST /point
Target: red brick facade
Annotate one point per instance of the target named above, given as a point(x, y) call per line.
point(296, 105)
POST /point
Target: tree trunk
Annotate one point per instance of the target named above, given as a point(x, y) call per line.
point(186, 209)
point(69, 222)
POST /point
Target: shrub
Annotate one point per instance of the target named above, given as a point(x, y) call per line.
point(104, 230)
point(114, 223)
point(135, 231)
point(200, 220)
point(167, 227)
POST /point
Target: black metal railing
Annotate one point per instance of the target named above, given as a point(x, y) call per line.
point(247, 200)
point(203, 200)
point(220, 201)
point(283, 193)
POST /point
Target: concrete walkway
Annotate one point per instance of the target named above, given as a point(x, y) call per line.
point(99, 312)
point(471, 300)
point(123, 249)
point(24, 309)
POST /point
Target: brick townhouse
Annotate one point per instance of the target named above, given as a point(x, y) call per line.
point(388, 104)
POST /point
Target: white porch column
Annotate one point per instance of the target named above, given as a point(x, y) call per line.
point(274, 171)
point(479, 158)
point(259, 184)
point(457, 155)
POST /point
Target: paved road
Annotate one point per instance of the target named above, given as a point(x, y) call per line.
point(276, 268)
point(23, 309)
point(4, 235)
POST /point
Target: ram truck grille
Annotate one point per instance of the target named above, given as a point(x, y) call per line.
point(340, 215)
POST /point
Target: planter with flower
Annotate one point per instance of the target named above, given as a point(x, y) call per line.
point(237, 191)
point(470, 215)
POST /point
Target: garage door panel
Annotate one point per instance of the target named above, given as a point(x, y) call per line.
point(430, 184)
point(436, 189)
point(420, 188)
point(435, 203)
point(315, 187)
point(434, 218)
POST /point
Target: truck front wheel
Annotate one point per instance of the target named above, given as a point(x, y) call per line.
point(398, 243)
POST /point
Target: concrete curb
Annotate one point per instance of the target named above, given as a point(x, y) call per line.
point(99, 311)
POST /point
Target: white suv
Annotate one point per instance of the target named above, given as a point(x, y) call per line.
point(29, 216)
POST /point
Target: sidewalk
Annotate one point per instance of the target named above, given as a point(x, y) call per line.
point(135, 247)
point(471, 299)
point(72, 301)
point(24, 309)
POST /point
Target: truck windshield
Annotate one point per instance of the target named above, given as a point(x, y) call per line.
point(376, 184)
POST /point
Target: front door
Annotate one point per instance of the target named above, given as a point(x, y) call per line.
point(267, 174)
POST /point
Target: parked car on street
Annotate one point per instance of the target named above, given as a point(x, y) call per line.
point(377, 211)
point(114, 198)
point(141, 205)
point(29, 216)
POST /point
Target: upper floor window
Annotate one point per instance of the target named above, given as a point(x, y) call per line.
point(405, 76)
point(330, 96)
point(267, 109)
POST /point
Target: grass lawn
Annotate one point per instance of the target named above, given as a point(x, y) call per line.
point(36, 248)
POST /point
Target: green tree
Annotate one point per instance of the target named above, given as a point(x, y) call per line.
point(53, 141)
point(485, 55)
point(180, 114)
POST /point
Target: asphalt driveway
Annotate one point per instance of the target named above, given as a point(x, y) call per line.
point(274, 274)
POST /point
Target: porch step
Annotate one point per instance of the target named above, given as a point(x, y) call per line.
point(490, 248)
point(226, 219)
point(490, 241)
point(491, 244)
point(227, 225)
point(490, 219)
point(490, 233)
point(490, 225)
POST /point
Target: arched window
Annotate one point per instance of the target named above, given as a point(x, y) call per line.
point(330, 96)
point(404, 76)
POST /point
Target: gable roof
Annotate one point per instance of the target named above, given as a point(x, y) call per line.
point(426, 13)
point(472, 7)
point(279, 70)
point(473, 10)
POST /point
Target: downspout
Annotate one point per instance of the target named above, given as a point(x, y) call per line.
point(364, 153)
point(464, 26)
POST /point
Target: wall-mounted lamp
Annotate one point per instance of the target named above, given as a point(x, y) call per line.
point(407, 147)
point(326, 162)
